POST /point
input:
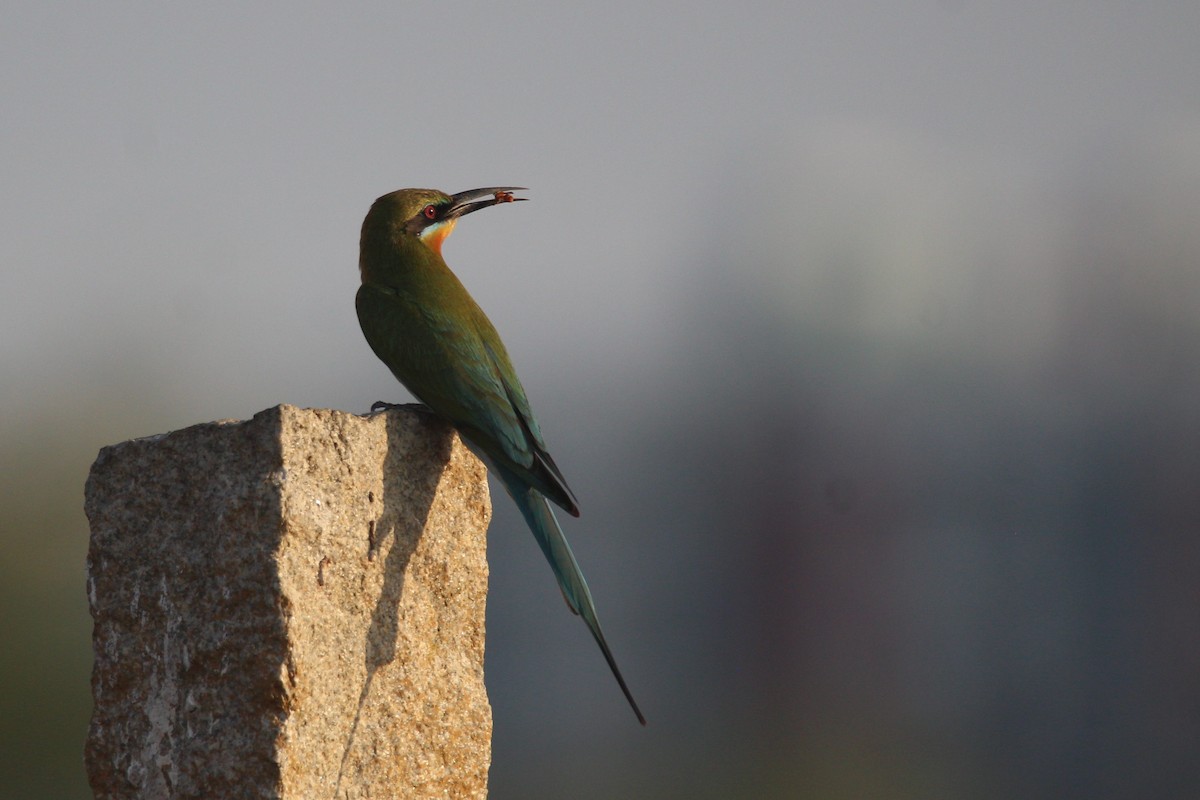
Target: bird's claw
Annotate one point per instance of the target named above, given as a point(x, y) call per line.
point(420, 408)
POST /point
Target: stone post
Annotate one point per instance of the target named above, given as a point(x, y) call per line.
point(289, 607)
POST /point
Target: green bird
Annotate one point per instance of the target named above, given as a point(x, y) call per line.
point(422, 323)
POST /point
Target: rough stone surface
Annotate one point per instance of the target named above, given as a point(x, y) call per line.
point(289, 607)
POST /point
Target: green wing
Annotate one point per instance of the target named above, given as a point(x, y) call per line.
point(450, 357)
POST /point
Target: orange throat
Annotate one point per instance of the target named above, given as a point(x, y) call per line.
point(434, 235)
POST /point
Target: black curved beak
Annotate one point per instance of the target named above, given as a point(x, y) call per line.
point(462, 205)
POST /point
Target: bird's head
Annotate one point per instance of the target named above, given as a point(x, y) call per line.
point(430, 215)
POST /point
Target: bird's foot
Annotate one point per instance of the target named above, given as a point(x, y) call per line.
point(420, 408)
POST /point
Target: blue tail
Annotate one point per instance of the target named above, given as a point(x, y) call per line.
point(549, 535)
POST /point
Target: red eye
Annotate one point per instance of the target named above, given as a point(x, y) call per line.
point(430, 212)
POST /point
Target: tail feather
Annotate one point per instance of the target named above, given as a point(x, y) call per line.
point(540, 518)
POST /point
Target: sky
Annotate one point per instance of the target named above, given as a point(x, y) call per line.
point(888, 239)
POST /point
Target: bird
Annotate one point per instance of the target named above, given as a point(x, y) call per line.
point(422, 323)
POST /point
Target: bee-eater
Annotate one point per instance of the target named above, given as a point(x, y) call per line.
point(421, 322)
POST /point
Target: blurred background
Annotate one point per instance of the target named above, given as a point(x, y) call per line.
point(866, 333)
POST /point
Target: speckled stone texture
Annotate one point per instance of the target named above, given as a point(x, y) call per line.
point(289, 607)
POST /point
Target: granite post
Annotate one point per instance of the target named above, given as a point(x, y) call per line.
point(289, 607)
